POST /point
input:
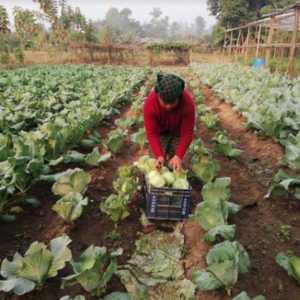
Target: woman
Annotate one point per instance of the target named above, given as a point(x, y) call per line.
point(169, 117)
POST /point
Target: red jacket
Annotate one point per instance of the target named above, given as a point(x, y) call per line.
point(179, 121)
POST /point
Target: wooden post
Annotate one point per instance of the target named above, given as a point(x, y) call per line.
point(277, 38)
point(294, 41)
point(224, 45)
point(258, 41)
point(230, 45)
point(269, 43)
point(242, 37)
point(237, 44)
point(247, 42)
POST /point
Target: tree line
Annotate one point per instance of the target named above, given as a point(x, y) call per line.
point(57, 24)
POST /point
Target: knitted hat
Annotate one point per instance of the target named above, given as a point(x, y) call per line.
point(169, 88)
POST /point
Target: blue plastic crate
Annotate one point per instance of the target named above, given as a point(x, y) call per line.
point(167, 203)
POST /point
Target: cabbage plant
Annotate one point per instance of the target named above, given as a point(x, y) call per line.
point(92, 159)
point(115, 141)
point(290, 263)
point(197, 148)
point(291, 158)
point(24, 274)
point(73, 180)
point(225, 261)
point(115, 207)
point(71, 206)
point(91, 271)
point(127, 172)
point(141, 163)
point(284, 183)
point(213, 212)
point(124, 123)
point(210, 120)
point(225, 146)
point(206, 170)
point(125, 186)
point(139, 137)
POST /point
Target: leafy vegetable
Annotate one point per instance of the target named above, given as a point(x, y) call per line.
point(225, 146)
point(90, 271)
point(225, 261)
point(212, 214)
point(124, 123)
point(141, 163)
point(95, 158)
point(210, 120)
point(24, 274)
point(125, 186)
point(291, 264)
point(75, 180)
point(206, 170)
point(71, 206)
point(126, 171)
point(115, 207)
point(197, 148)
point(181, 184)
point(281, 184)
point(139, 137)
point(115, 141)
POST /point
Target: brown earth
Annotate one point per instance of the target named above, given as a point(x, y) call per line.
point(258, 224)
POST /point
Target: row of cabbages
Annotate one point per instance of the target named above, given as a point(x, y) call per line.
point(228, 259)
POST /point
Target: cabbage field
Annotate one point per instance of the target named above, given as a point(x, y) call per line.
point(73, 162)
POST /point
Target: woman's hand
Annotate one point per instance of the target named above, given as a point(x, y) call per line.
point(160, 161)
point(175, 163)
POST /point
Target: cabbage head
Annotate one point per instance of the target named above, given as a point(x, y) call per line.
point(169, 177)
point(181, 184)
point(157, 181)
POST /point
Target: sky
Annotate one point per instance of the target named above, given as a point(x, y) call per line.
point(186, 10)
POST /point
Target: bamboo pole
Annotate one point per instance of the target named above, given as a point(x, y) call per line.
point(294, 42)
point(242, 37)
point(237, 44)
point(230, 45)
point(258, 41)
point(224, 45)
point(247, 42)
point(277, 37)
point(270, 35)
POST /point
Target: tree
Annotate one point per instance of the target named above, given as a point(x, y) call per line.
point(4, 21)
point(111, 17)
point(199, 25)
point(4, 30)
point(233, 13)
point(175, 30)
point(107, 35)
point(158, 26)
point(27, 27)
